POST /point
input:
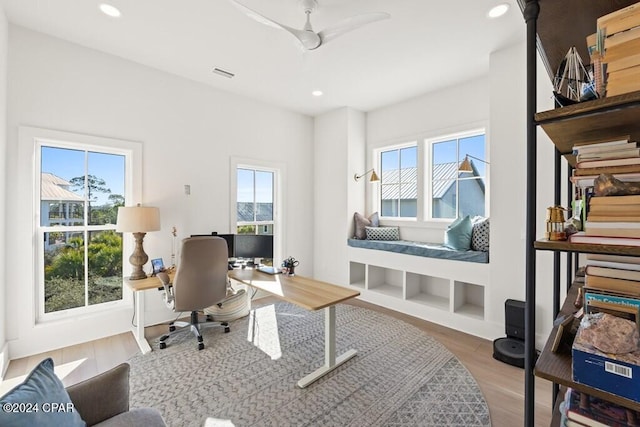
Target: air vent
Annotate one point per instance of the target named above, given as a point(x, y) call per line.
point(223, 73)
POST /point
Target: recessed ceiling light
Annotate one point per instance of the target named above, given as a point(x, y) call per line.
point(316, 93)
point(498, 10)
point(110, 10)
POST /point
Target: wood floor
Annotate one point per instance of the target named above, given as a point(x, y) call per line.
point(501, 384)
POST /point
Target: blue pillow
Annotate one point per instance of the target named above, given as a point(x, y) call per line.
point(458, 234)
point(45, 402)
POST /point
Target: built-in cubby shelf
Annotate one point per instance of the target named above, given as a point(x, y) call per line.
point(428, 290)
point(387, 281)
point(424, 291)
point(468, 299)
point(357, 274)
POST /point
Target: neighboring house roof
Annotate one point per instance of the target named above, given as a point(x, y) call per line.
point(443, 175)
point(245, 212)
point(53, 187)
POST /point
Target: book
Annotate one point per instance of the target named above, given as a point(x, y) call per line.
point(621, 64)
point(609, 162)
point(615, 200)
point(626, 231)
point(586, 181)
point(607, 169)
point(628, 287)
point(624, 311)
point(613, 154)
point(581, 237)
point(628, 217)
point(618, 88)
point(621, 259)
point(622, 50)
point(623, 75)
point(619, 20)
point(595, 270)
point(614, 209)
point(600, 144)
point(596, 412)
point(620, 37)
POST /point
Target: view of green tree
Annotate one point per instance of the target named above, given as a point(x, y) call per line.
point(64, 272)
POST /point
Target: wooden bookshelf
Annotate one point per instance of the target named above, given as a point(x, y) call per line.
point(587, 248)
point(556, 367)
point(592, 120)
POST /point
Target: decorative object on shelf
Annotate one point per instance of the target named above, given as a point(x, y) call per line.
point(572, 82)
point(158, 265)
point(289, 265)
point(555, 223)
point(138, 220)
point(608, 185)
point(374, 176)
point(465, 166)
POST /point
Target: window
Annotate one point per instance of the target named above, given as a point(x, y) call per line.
point(455, 192)
point(255, 201)
point(443, 179)
point(80, 254)
point(399, 182)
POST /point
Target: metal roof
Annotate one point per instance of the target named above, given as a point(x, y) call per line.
point(52, 187)
point(444, 175)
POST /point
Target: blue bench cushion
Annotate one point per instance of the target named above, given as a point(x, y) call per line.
point(431, 250)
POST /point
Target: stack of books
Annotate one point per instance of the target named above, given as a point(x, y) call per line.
point(579, 409)
point(618, 44)
point(612, 285)
point(613, 216)
point(618, 156)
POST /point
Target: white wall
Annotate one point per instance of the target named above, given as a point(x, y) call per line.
point(4, 28)
point(189, 132)
point(339, 153)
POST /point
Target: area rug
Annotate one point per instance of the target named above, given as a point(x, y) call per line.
point(247, 377)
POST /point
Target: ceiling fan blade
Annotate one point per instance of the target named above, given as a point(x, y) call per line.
point(308, 39)
point(350, 24)
point(255, 15)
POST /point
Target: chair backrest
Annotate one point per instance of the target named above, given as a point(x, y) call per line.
point(201, 277)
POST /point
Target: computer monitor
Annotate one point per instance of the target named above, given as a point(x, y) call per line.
point(253, 246)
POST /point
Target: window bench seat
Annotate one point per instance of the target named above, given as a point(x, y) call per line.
point(430, 250)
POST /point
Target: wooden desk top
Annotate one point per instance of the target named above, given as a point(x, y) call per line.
point(303, 291)
point(150, 282)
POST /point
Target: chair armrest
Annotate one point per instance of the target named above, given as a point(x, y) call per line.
point(103, 396)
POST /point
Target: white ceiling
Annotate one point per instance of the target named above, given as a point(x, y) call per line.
point(426, 45)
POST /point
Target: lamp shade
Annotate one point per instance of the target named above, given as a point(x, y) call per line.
point(138, 219)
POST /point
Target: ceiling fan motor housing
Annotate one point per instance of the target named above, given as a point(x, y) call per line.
point(309, 5)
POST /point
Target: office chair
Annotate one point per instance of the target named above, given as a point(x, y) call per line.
point(200, 282)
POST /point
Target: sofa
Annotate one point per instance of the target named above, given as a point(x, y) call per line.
point(103, 400)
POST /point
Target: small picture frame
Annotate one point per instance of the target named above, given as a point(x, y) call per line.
point(158, 265)
point(564, 335)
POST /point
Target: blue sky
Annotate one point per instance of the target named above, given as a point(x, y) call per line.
point(68, 164)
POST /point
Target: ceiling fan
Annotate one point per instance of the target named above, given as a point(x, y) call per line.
point(308, 38)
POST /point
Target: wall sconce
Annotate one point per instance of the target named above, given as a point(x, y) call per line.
point(374, 176)
point(138, 220)
point(465, 166)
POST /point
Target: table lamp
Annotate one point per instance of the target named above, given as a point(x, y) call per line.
point(138, 220)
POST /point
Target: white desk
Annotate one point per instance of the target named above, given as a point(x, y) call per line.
point(312, 295)
point(137, 286)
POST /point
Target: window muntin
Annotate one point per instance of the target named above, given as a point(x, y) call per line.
point(399, 182)
point(80, 190)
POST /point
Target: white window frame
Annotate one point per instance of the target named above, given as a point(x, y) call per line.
point(35, 138)
point(427, 171)
point(279, 175)
point(378, 196)
point(424, 158)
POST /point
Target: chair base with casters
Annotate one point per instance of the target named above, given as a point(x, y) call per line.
point(195, 327)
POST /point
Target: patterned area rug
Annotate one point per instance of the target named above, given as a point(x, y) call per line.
point(400, 376)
